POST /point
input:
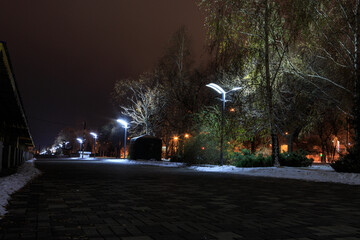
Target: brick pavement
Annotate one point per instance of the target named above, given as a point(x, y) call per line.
point(95, 200)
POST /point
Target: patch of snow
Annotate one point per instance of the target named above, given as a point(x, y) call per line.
point(315, 173)
point(14, 182)
point(145, 162)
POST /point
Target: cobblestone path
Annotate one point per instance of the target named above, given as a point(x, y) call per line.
point(97, 200)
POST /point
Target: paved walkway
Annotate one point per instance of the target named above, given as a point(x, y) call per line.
point(95, 200)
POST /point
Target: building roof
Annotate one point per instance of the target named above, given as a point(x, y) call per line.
point(13, 122)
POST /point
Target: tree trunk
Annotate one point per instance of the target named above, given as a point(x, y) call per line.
point(290, 140)
point(269, 93)
point(275, 149)
point(252, 146)
point(323, 157)
point(357, 76)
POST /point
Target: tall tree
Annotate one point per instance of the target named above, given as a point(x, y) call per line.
point(332, 56)
point(261, 32)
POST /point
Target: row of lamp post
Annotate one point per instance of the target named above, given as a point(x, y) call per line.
point(213, 86)
point(125, 126)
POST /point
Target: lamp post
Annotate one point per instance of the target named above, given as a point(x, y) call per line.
point(125, 126)
point(95, 137)
point(221, 91)
point(80, 141)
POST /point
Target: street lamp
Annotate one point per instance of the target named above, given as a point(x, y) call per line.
point(81, 142)
point(221, 91)
point(95, 137)
point(125, 126)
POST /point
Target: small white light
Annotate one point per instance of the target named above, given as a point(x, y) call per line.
point(94, 134)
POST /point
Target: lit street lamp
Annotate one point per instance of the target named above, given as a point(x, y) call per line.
point(125, 126)
point(95, 137)
point(221, 91)
point(81, 142)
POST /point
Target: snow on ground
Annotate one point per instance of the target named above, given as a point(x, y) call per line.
point(317, 173)
point(323, 173)
point(145, 162)
point(12, 183)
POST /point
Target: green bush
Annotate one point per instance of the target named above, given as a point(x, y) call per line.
point(295, 159)
point(349, 163)
point(246, 159)
point(201, 150)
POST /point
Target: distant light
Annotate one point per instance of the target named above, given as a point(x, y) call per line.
point(94, 134)
point(232, 109)
point(187, 135)
point(80, 140)
point(176, 138)
point(286, 133)
point(123, 122)
point(202, 148)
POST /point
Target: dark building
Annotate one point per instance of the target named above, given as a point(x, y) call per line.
point(145, 147)
point(15, 138)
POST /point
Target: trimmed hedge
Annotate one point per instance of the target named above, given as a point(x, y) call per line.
point(295, 159)
point(246, 159)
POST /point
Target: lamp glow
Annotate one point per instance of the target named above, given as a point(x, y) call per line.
point(81, 142)
point(125, 126)
point(123, 122)
point(95, 137)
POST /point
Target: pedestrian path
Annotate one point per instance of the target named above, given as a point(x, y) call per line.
point(97, 200)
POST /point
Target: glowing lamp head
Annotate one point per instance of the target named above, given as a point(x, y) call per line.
point(187, 135)
point(79, 140)
point(176, 138)
point(236, 88)
point(216, 87)
point(94, 135)
point(123, 122)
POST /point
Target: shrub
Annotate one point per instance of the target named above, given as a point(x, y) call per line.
point(295, 159)
point(201, 150)
point(246, 159)
point(349, 163)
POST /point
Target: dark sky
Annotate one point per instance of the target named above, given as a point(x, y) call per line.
point(67, 54)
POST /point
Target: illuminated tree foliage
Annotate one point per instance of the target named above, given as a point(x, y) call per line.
point(331, 56)
point(259, 35)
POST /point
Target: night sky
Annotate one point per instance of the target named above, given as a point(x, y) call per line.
point(67, 54)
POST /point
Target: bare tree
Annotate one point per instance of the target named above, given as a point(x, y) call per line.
point(146, 109)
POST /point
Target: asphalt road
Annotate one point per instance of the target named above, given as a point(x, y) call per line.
point(96, 200)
